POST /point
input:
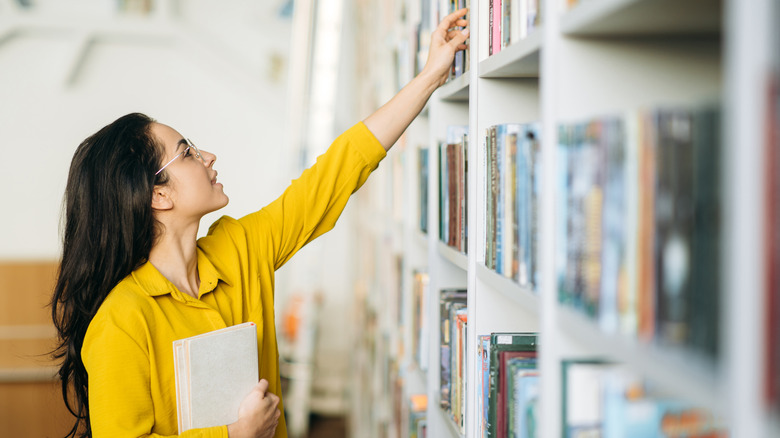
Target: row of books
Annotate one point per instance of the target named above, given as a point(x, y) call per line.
point(453, 177)
point(507, 385)
point(638, 229)
point(510, 21)
point(512, 176)
point(602, 399)
point(453, 321)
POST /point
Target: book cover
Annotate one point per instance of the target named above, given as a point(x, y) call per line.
point(502, 342)
point(645, 295)
point(443, 194)
point(674, 223)
point(627, 296)
point(533, 136)
point(613, 265)
point(512, 132)
point(498, 199)
point(561, 207)
point(525, 396)
point(704, 315)
point(483, 384)
point(508, 361)
point(214, 372)
point(423, 175)
point(447, 298)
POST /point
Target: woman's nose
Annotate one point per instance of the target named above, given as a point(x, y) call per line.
point(208, 158)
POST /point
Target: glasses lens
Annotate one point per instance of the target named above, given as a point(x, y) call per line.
point(194, 150)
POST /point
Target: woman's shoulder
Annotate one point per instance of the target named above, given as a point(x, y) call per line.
point(124, 305)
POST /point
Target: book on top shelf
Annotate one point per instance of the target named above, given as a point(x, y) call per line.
point(214, 371)
point(510, 21)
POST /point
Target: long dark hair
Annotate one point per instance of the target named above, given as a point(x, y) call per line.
point(109, 230)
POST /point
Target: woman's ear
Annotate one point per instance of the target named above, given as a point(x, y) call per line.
point(161, 198)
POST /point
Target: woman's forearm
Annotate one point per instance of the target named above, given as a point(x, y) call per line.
point(391, 119)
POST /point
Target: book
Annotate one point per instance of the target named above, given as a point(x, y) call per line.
point(423, 175)
point(483, 384)
point(449, 300)
point(501, 343)
point(214, 372)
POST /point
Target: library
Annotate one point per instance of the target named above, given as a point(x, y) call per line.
point(575, 237)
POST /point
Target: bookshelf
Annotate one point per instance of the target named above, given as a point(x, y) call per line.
point(601, 58)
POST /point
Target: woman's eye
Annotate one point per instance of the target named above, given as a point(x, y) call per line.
point(187, 153)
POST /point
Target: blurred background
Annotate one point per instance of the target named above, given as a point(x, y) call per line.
point(235, 77)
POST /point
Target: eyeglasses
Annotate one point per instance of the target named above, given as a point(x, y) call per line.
point(185, 152)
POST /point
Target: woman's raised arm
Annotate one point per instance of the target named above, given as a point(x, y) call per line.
point(391, 120)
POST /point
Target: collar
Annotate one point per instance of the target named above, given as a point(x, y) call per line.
point(155, 284)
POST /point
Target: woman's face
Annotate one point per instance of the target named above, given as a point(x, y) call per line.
point(193, 187)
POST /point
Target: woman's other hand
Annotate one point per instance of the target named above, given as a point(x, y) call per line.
point(445, 41)
point(258, 414)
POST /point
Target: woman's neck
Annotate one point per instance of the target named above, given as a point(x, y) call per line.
point(175, 256)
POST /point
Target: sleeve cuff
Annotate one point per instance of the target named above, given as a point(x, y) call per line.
point(367, 144)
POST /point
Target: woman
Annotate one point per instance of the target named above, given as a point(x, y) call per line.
point(134, 277)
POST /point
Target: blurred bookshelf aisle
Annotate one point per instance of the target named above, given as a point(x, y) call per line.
point(578, 235)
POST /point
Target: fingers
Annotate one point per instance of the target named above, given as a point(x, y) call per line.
point(273, 399)
point(451, 19)
point(459, 38)
point(262, 386)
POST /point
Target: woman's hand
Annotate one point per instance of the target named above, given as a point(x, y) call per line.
point(258, 414)
point(391, 120)
point(445, 41)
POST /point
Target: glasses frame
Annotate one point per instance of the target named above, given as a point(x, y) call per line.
point(190, 145)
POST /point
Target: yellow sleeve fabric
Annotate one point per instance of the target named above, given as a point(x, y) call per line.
point(312, 203)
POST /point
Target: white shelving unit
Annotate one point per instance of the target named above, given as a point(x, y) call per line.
point(607, 57)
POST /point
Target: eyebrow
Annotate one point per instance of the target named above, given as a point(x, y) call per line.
point(181, 142)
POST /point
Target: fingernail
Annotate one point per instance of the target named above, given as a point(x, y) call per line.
point(465, 31)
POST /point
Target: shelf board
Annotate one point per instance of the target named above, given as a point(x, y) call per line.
point(522, 295)
point(643, 18)
point(450, 423)
point(674, 369)
point(420, 238)
point(519, 60)
point(456, 90)
point(452, 255)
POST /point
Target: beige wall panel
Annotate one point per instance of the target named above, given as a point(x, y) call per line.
point(25, 291)
point(33, 410)
point(26, 353)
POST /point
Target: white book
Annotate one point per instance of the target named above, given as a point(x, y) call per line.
point(214, 372)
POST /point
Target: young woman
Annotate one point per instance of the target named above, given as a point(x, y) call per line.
point(134, 277)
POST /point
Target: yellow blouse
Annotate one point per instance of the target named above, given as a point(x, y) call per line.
point(128, 351)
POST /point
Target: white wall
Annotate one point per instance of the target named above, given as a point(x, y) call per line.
point(217, 73)
point(217, 76)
